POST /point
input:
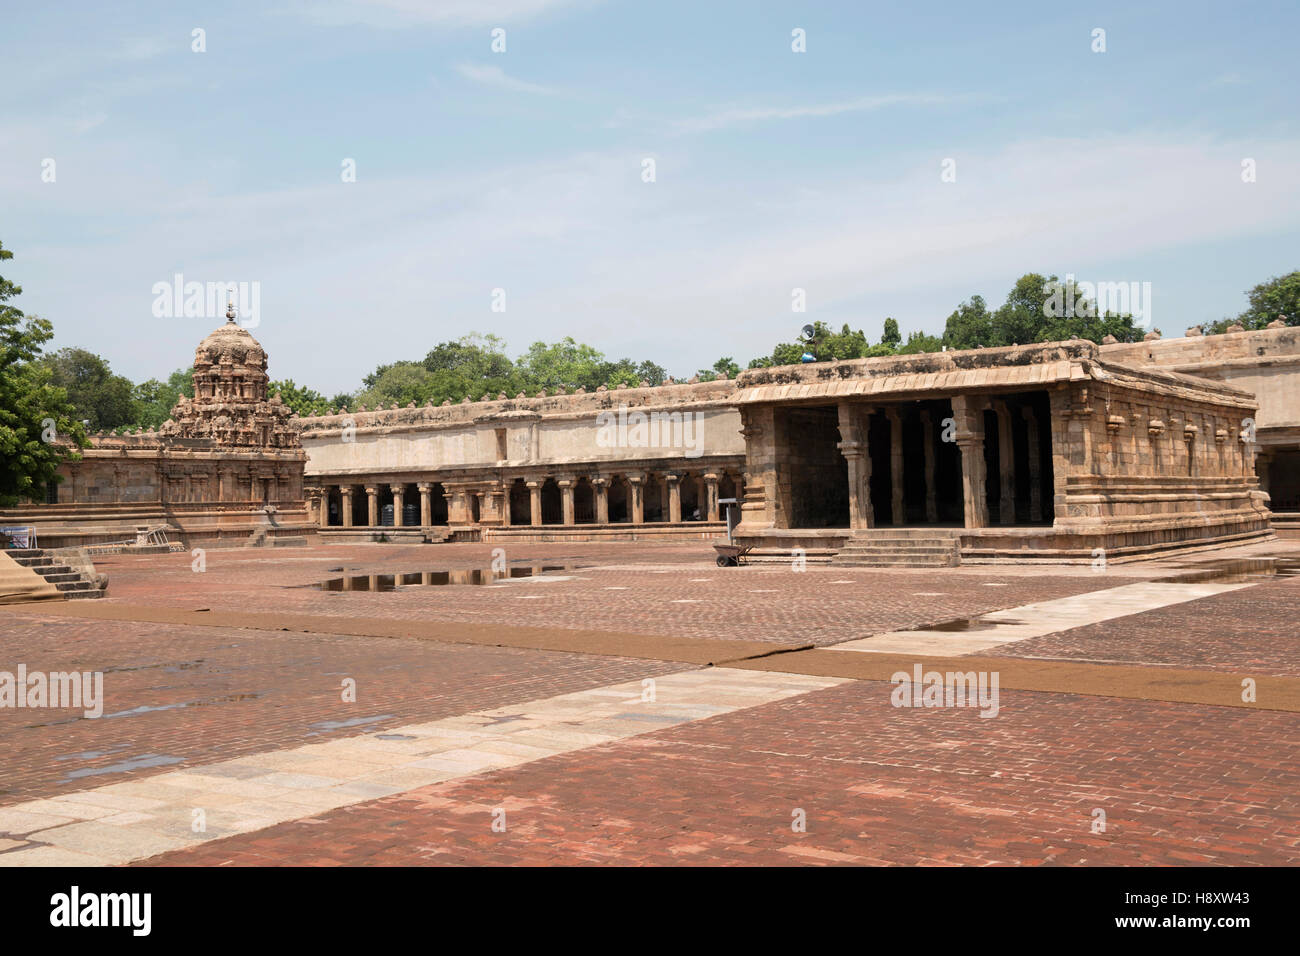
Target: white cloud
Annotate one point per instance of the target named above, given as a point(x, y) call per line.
point(736, 116)
point(497, 78)
point(358, 274)
point(146, 48)
point(85, 124)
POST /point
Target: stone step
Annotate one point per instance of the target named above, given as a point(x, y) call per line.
point(78, 585)
point(72, 584)
point(900, 548)
point(899, 561)
point(902, 545)
point(62, 577)
point(878, 550)
point(900, 542)
point(895, 533)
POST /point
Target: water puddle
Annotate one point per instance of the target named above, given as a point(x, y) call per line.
point(472, 576)
point(142, 762)
point(1234, 571)
point(965, 624)
point(327, 725)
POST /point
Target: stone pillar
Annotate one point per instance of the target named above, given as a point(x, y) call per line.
point(321, 502)
point(566, 497)
point(1035, 464)
point(1070, 444)
point(674, 483)
point(1006, 465)
point(899, 515)
point(372, 505)
point(534, 503)
point(969, 421)
point(345, 505)
point(425, 488)
point(927, 438)
point(711, 497)
point(600, 485)
point(399, 498)
point(853, 446)
point(759, 505)
point(636, 497)
point(504, 496)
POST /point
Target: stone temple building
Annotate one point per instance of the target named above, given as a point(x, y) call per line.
point(226, 468)
point(1056, 451)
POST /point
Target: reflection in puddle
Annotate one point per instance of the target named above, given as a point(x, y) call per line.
point(472, 576)
point(1234, 571)
point(965, 624)
point(324, 725)
point(142, 762)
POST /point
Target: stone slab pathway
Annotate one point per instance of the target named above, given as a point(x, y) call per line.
point(121, 822)
point(1035, 620)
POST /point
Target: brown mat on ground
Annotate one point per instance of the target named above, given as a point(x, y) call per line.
point(607, 643)
point(18, 584)
point(1176, 685)
point(1096, 680)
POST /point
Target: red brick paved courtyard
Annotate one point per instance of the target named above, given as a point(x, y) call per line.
point(713, 781)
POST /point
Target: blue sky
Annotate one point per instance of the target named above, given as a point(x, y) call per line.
point(522, 170)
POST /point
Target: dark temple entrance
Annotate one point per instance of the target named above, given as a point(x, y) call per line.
point(813, 475)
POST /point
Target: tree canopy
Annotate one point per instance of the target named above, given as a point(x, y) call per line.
point(1031, 314)
point(1036, 309)
point(1269, 301)
point(37, 427)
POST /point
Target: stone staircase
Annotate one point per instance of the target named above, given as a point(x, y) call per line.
point(900, 548)
point(76, 585)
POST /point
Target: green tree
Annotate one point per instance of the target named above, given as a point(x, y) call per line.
point(970, 325)
point(646, 371)
point(154, 400)
point(1022, 318)
point(826, 345)
point(565, 363)
point(102, 400)
point(723, 365)
point(891, 336)
point(32, 408)
point(470, 367)
point(1072, 315)
point(1269, 301)
point(920, 342)
point(304, 401)
point(400, 383)
point(1037, 309)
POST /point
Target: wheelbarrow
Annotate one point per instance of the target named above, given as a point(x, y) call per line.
point(732, 555)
